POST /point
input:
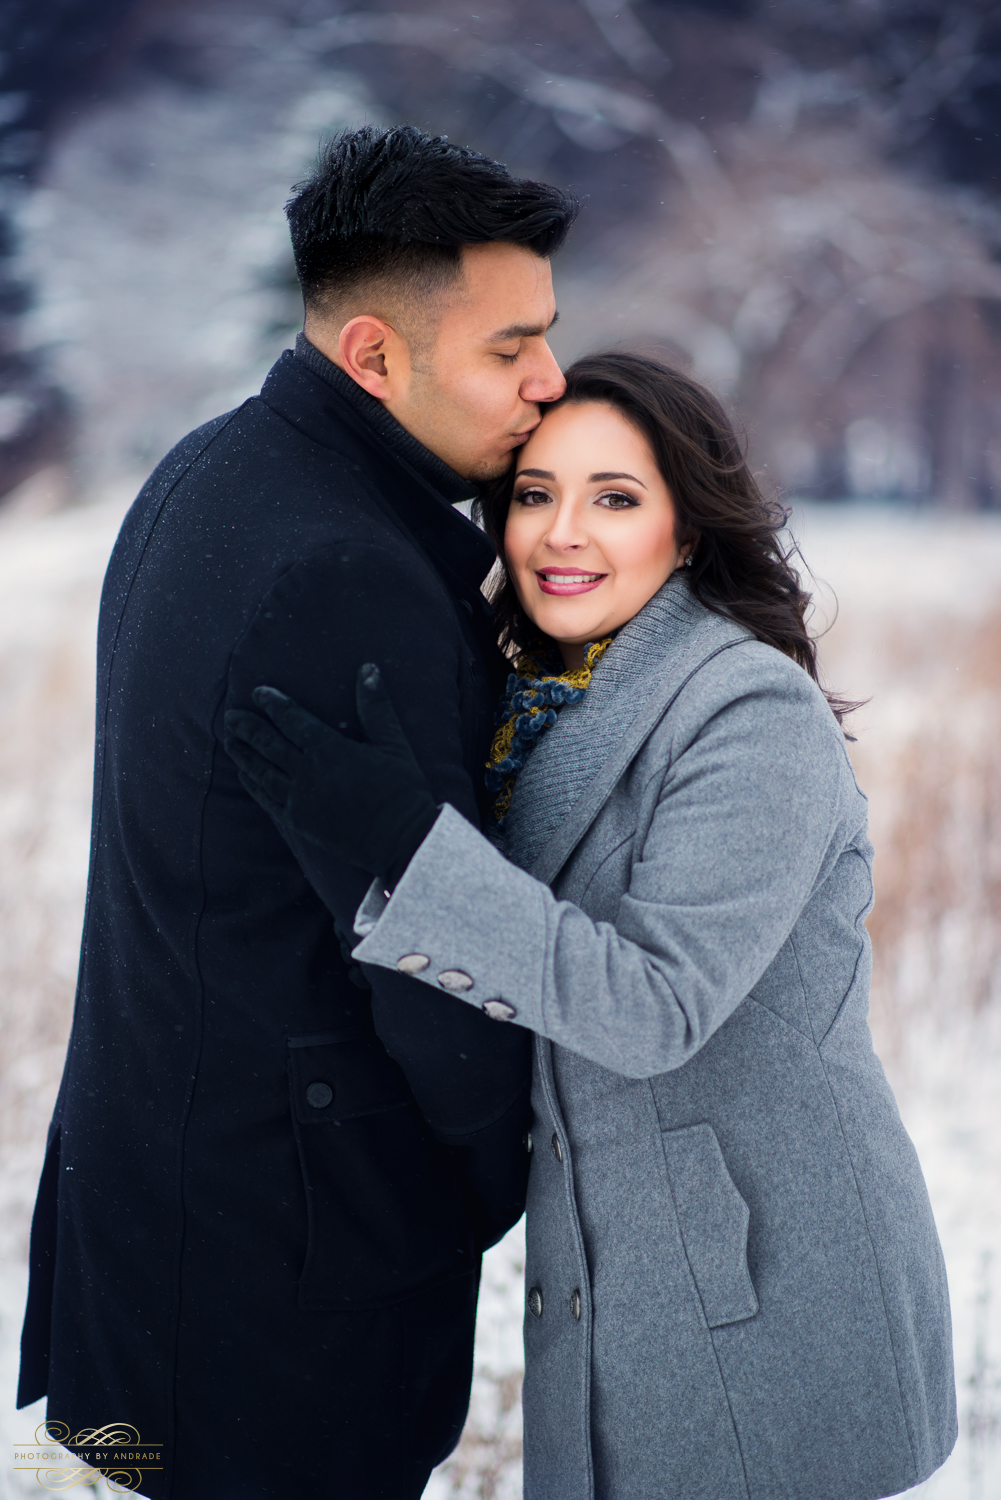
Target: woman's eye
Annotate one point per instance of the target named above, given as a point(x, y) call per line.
point(533, 497)
point(616, 500)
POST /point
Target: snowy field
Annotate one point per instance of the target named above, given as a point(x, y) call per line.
point(918, 631)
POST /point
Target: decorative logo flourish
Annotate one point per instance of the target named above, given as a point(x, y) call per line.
point(114, 1452)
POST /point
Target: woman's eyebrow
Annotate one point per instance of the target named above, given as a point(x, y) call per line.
point(602, 478)
point(538, 474)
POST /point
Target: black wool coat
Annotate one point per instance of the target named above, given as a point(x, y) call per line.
point(275, 1281)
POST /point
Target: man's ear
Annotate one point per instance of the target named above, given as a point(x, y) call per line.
point(375, 355)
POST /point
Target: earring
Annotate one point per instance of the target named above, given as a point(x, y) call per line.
point(688, 560)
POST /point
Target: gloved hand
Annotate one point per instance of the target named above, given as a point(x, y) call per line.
point(367, 802)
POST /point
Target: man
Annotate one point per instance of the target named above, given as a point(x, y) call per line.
point(268, 1186)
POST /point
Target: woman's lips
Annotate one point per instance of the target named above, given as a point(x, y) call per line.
point(565, 581)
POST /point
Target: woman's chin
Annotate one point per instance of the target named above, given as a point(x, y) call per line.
point(567, 630)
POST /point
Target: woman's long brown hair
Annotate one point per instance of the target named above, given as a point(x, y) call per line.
point(739, 566)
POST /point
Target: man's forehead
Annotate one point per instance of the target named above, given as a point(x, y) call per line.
point(504, 294)
point(517, 282)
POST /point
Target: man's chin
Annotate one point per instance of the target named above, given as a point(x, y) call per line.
point(487, 469)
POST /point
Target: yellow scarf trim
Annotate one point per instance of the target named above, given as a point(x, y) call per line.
point(528, 709)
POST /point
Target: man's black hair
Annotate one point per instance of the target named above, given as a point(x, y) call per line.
point(401, 204)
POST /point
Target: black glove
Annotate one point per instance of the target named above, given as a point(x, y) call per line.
point(356, 974)
point(368, 803)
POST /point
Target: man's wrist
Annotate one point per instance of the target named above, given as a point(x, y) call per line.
point(409, 842)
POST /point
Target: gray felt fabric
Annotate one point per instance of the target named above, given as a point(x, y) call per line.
point(720, 1172)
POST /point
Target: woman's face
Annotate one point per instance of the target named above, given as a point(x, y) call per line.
point(590, 534)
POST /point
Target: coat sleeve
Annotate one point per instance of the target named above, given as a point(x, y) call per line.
point(351, 603)
point(745, 822)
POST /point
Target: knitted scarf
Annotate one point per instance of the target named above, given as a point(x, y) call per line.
point(533, 694)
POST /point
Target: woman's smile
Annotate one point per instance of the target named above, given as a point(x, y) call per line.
point(568, 580)
point(590, 533)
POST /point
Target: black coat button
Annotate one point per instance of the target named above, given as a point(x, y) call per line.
point(557, 1148)
point(575, 1302)
point(319, 1095)
point(535, 1302)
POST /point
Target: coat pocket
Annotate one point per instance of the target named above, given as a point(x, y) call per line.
point(385, 1210)
point(713, 1220)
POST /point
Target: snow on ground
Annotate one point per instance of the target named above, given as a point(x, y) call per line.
point(919, 632)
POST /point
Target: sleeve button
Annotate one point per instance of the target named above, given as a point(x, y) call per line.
point(413, 963)
point(455, 981)
point(499, 1010)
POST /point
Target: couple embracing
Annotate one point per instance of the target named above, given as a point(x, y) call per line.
point(404, 905)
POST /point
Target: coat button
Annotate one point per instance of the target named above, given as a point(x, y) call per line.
point(413, 963)
point(557, 1148)
point(319, 1095)
point(535, 1302)
point(575, 1302)
point(528, 1143)
point(455, 980)
point(499, 1010)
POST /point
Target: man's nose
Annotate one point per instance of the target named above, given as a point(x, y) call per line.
point(545, 382)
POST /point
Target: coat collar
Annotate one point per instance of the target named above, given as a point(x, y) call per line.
point(327, 406)
point(385, 429)
point(570, 777)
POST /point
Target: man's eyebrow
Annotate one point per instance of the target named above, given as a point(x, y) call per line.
point(520, 331)
point(603, 478)
point(536, 474)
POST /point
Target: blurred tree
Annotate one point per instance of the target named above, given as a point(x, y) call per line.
point(50, 54)
point(741, 160)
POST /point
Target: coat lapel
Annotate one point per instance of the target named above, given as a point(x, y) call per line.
point(667, 686)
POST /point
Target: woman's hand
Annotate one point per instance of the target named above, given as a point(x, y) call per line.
point(367, 802)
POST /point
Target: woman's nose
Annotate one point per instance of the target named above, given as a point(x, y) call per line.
point(567, 532)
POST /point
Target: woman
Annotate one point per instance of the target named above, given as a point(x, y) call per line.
point(735, 1288)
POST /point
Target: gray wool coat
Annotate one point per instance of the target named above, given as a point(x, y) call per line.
point(735, 1286)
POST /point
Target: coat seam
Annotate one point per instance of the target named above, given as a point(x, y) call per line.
point(171, 1372)
point(180, 1205)
point(625, 839)
point(802, 985)
point(858, 957)
point(549, 1090)
point(192, 1088)
point(782, 1021)
point(879, 1275)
